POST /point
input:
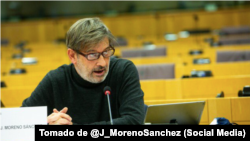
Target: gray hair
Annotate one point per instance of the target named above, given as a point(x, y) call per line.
point(86, 33)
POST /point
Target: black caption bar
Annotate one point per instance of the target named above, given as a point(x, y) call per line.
point(43, 132)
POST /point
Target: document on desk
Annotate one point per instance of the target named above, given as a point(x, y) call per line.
point(18, 124)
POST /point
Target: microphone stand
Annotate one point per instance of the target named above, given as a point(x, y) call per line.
point(110, 115)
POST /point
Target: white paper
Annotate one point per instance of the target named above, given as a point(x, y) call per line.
point(214, 122)
point(18, 124)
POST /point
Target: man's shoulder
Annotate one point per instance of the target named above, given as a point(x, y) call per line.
point(61, 70)
point(121, 65)
point(120, 62)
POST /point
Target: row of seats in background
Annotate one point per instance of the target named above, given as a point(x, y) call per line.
point(189, 56)
point(169, 68)
point(225, 36)
point(163, 68)
point(152, 61)
point(25, 64)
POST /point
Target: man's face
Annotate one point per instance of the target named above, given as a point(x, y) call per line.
point(94, 71)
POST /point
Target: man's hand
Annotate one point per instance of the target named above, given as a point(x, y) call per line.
point(59, 118)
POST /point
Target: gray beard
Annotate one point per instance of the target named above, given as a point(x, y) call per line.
point(91, 79)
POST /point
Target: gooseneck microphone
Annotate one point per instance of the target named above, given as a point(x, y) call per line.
point(107, 92)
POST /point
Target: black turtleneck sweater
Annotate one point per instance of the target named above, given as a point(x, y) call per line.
point(86, 102)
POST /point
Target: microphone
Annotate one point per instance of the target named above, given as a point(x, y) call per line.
point(107, 91)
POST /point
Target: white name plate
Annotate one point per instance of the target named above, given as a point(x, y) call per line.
point(18, 124)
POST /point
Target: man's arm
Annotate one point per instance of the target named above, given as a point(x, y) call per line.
point(42, 95)
point(131, 98)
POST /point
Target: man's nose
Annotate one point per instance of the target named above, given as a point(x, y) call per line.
point(101, 61)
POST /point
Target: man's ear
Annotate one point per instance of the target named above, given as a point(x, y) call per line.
point(72, 55)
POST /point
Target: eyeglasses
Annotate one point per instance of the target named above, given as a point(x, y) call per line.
point(94, 56)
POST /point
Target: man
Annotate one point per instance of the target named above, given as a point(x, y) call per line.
point(77, 89)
